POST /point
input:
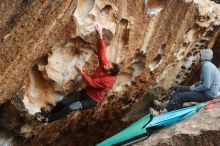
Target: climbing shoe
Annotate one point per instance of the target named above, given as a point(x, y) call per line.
point(44, 112)
point(159, 104)
point(154, 112)
point(40, 117)
point(163, 111)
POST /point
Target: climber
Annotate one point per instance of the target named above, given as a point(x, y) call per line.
point(104, 77)
point(204, 90)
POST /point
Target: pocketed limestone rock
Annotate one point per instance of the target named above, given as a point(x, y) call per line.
point(153, 41)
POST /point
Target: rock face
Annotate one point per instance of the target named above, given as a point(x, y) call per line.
point(200, 129)
point(154, 42)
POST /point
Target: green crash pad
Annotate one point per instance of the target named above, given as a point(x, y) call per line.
point(130, 132)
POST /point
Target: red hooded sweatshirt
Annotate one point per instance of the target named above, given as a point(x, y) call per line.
point(100, 80)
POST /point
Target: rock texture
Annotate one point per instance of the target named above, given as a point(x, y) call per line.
point(200, 129)
point(153, 41)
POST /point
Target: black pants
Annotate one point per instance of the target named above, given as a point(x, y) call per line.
point(184, 94)
point(74, 101)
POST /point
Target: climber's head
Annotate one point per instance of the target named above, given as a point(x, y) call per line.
point(206, 55)
point(203, 55)
point(112, 68)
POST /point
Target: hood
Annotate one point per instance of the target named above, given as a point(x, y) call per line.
point(206, 55)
